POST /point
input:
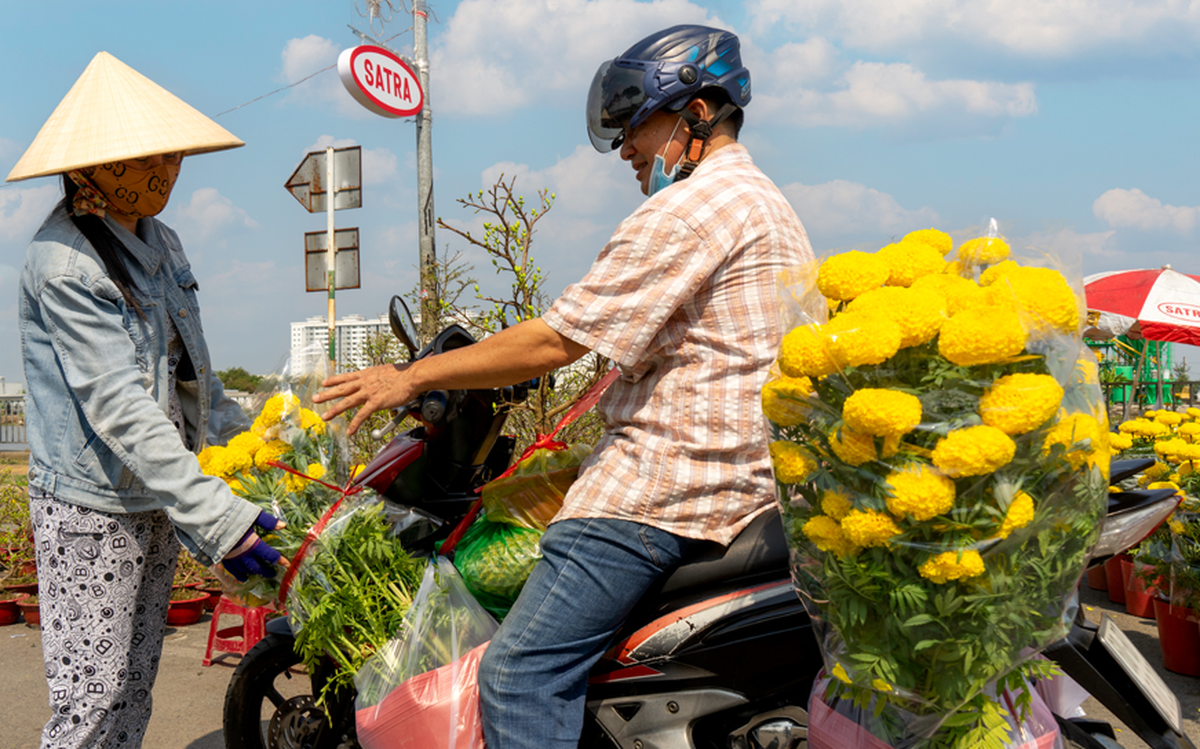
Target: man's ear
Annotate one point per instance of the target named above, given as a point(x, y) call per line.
point(701, 108)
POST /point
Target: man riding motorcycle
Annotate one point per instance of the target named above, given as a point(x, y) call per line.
point(682, 299)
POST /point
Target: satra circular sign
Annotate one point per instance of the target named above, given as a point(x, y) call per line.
point(380, 81)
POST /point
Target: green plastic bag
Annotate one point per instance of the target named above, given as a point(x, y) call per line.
point(495, 560)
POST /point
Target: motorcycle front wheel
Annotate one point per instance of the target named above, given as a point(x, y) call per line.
point(270, 703)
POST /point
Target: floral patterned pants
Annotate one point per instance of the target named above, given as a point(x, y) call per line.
point(104, 582)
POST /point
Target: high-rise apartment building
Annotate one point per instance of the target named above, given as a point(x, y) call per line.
point(310, 340)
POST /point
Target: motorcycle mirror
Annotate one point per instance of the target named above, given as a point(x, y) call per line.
point(403, 326)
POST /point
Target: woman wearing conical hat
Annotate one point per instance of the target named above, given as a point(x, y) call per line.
point(120, 395)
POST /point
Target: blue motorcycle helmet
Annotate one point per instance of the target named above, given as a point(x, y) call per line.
point(664, 71)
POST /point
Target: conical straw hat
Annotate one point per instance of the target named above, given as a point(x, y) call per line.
point(113, 113)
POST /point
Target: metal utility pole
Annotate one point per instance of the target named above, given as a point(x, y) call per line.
point(331, 248)
point(428, 267)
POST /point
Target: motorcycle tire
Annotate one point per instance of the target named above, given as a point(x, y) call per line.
point(258, 716)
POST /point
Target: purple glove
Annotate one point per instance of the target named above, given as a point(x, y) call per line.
point(252, 555)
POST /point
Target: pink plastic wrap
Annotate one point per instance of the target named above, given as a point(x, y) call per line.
point(438, 709)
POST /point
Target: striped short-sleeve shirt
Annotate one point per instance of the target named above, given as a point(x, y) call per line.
point(683, 299)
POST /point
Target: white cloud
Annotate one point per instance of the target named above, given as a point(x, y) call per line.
point(1137, 210)
point(305, 57)
point(841, 207)
point(873, 93)
point(379, 165)
point(1026, 27)
point(23, 209)
point(497, 57)
point(208, 214)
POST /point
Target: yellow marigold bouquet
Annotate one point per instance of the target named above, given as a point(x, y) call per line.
point(351, 581)
point(941, 458)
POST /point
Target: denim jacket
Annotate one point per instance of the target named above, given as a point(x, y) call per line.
point(96, 381)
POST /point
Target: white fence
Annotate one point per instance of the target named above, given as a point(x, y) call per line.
point(12, 420)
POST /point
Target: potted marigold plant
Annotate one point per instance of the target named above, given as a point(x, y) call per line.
point(941, 459)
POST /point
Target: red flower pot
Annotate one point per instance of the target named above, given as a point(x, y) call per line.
point(187, 611)
point(33, 615)
point(1097, 579)
point(1139, 600)
point(30, 588)
point(1179, 636)
point(10, 611)
point(1116, 583)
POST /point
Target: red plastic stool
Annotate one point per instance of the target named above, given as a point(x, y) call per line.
point(238, 638)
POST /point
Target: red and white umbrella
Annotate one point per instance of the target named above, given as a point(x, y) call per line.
point(1158, 305)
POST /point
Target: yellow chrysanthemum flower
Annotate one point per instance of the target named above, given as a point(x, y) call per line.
point(881, 685)
point(960, 293)
point(1194, 413)
point(836, 504)
point(1170, 418)
point(793, 465)
point(279, 408)
point(1173, 449)
point(938, 240)
point(856, 449)
point(1019, 515)
point(1083, 438)
point(205, 458)
point(1164, 485)
point(997, 272)
point(909, 261)
point(312, 422)
point(786, 400)
point(953, 565)
point(857, 339)
point(1019, 403)
point(805, 352)
point(973, 451)
point(296, 483)
point(869, 528)
point(225, 461)
point(919, 313)
point(828, 535)
point(982, 336)
point(1189, 430)
point(1044, 296)
point(1144, 428)
point(247, 442)
point(1120, 441)
point(983, 251)
point(269, 452)
point(848, 274)
point(236, 487)
point(882, 413)
point(919, 491)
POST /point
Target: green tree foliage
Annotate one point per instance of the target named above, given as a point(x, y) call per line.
point(236, 378)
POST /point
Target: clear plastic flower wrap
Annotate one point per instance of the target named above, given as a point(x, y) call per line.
point(941, 458)
point(350, 581)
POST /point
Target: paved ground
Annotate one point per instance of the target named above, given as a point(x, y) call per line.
point(188, 697)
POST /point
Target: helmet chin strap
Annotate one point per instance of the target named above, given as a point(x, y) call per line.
point(700, 131)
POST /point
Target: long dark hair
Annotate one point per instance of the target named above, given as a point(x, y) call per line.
point(108, 247)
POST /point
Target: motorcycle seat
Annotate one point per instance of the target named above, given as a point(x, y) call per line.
point(759, 553)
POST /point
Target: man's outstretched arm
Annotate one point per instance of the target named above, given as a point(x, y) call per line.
point(524, 351)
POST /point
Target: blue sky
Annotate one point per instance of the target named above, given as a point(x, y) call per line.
point(1072, 123)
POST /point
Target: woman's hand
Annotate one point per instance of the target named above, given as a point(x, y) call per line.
point(374, 389)
point(252, 555)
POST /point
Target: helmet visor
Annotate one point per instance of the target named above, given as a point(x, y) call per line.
point(617, 93)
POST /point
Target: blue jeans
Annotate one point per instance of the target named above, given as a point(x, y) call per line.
point(533, 676)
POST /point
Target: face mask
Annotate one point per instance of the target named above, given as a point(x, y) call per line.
point(658, 172)
point(135, 192)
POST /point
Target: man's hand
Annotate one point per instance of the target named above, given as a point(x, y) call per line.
point(375, 389)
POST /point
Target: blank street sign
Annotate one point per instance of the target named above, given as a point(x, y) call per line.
point(307, 183)
point(316, 255)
